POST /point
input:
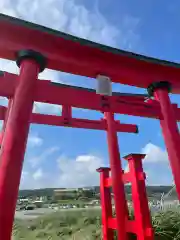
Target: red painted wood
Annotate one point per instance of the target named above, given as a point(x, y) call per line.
point(86, 59)
point(171, 134)
point(48, 92)
point(116, 176)
point(14, 145)
point(106, 206)
point(53, 120)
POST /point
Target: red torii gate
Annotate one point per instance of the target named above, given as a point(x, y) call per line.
point(132, 104)
point(62, 52)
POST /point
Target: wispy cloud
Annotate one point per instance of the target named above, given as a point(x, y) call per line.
point(38, 160)
point(34, 140)
point(38, 174)
point(64, 15)
point(45, 108)
point(73, 18)
point(77, 172)
point(156, 165)
point(81, 170)
point(154, 154)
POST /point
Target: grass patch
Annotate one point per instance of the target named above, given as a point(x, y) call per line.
point(61, 225)
point(86, 225)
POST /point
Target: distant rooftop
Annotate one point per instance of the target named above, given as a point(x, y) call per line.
point(66, 190)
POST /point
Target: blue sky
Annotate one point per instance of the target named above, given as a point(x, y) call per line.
point(65, 157)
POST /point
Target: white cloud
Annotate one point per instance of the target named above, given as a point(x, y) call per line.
point(38, 160)
point(1, 125)
point(159, 175)
point(156, 166)
point(154, 154)
point(3, 101)
point(8, 66)
point(33, 180)
point(24, 175)
point(81, 171)
point(126, 168)
point(37, 175)
point(33, 174)
point(64, 15)
point(45, 108)
point(35, 141)
point(77, 172)
point(61, 15)
point(73, 18)
point(52, 75)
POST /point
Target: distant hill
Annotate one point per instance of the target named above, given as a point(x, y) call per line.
point(151, 190)
point(37, 192)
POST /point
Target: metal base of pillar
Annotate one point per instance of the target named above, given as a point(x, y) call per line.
point(31, 54)
point(158, 85)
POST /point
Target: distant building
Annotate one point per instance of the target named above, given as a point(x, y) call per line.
point(38, 204)
point(23, 201)
point(67, 193)
point(87, 189)
point(42, 198)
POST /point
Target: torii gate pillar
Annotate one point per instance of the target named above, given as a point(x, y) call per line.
point(15, 137)
point(160, 91)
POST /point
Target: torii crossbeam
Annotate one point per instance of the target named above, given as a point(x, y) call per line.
point(35, 48)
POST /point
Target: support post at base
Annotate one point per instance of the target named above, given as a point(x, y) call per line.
point(106, 205)
point(116, 176)
point(169, 127)
point(139, 197)
point(15, 138)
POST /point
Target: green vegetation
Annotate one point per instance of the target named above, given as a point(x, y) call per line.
point(82, 225)
point(62, 225)
point(167, 225)
point(151, 191)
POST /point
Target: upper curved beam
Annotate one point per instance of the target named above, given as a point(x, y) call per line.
point(82, 57)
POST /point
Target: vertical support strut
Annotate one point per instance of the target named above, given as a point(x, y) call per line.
point(15, 137)
point(140, 225)
point(106, 205)
point(66, 113)
point(139, 197)
point(116, 175)
point(169, 127)
point(5, 121)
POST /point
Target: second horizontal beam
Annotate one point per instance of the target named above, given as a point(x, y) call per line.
point(52, 120)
